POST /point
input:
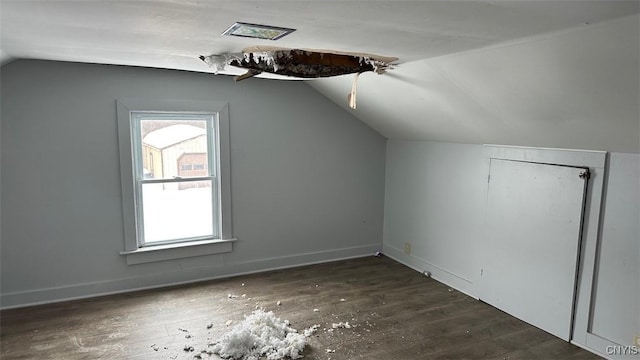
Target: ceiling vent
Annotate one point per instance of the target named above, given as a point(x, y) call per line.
point(257, 31)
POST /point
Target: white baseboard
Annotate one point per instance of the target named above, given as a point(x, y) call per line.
point(185, 276)
point(438, 273)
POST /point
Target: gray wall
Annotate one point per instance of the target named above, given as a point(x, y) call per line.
point(436, 198)
point(307, 179)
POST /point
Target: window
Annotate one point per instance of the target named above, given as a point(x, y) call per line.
point(174, 158)
point(170, 208)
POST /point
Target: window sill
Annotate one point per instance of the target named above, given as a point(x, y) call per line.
point(178, 251)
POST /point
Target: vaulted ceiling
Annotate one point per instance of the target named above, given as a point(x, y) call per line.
point(531, 73)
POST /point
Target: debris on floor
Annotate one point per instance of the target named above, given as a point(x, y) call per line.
point(310, 331)
point(341, 325)
point(187, 335)
point(262, 334)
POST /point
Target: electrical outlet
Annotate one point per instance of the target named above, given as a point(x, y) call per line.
point(407, 249)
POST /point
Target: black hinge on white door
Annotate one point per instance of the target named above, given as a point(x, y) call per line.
point(585, 174)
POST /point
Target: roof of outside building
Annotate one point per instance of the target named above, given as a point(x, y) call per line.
point(171, 135)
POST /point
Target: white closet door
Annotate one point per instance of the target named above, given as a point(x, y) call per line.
point(529, 260)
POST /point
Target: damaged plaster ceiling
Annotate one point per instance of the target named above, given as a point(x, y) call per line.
point(300, 64)
point(172, 34)
point(467, 71)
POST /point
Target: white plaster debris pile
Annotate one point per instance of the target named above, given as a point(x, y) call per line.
point(341, 325)
point(262, 335)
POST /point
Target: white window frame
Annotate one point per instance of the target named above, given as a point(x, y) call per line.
point(211, 122)
point(135, 251)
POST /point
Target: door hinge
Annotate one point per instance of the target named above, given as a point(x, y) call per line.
point(585, 174)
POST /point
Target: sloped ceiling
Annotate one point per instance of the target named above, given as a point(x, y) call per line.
point(539, 73)
point(574, 89)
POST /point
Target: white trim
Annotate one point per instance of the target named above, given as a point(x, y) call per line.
point(184, 276)
point(438, 273)
point(224, 166)
point(178, 250)
point(221, 127)
point(126, 176)
point(568, 157)
point(135, 120)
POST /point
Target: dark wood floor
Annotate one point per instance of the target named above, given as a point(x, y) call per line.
point(396, 313)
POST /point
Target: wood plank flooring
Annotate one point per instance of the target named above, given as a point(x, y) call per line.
point(396, 313)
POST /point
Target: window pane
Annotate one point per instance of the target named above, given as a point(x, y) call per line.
point(171, 147)
point(177, 210)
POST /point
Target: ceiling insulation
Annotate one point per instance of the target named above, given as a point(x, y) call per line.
point(300, 63)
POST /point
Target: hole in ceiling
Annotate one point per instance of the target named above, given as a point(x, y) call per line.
point(300, 63)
